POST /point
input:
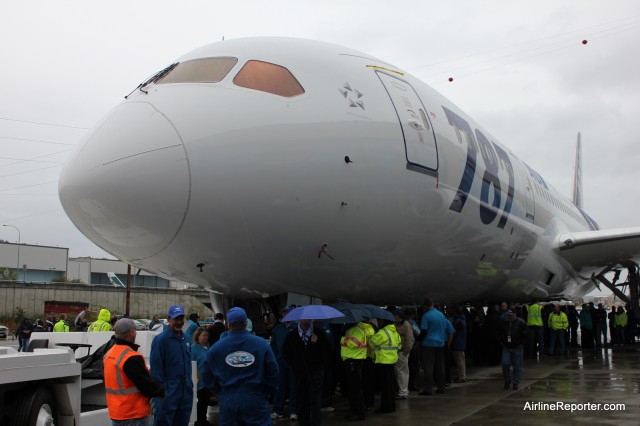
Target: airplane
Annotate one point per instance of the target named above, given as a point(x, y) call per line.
point(264, 166)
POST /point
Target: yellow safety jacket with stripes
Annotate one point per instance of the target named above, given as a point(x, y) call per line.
point(100, 326)
point(124, 400)
point(534, 315)
point(353, 345)
point(386, 343)
point(558, 321)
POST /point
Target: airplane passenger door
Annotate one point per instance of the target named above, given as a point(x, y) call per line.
point(419, 140)
point(528, 193)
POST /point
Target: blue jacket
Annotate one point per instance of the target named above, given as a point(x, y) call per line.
point(586, 320)
point(241, 362)
point(188, 333)
point(199, 354)
point(171, 365)
point(438, 328)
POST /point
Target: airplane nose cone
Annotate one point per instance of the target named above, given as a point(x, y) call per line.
point(127, 187)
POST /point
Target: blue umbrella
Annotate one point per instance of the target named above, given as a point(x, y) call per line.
point(318, 312)
point(352, 313)
point(378, 312)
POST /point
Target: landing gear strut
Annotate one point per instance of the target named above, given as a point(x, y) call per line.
point(633, 281)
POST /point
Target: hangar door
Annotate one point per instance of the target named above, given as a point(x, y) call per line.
point(417, 131)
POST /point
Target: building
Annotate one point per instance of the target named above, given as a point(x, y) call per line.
point(45, 264)
point(33, 263)
point(94, 271)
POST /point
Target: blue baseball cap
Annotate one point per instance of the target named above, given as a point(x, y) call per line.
point(175, 311)
point(236, 315)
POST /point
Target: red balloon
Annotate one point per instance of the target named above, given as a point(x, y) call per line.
point(584, 41)
point(450, 79)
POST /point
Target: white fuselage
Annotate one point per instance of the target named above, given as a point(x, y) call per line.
point(255, 187)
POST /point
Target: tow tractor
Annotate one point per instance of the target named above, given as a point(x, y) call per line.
point(59, 382)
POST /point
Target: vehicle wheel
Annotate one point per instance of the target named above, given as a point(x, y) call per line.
point(35, 407)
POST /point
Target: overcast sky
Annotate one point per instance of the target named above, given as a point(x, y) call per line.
point(519, 68)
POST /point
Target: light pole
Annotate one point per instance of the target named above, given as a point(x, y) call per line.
point(19, 242)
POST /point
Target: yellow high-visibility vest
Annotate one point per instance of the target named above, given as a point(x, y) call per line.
point(61, 326)
point(558, 321)
point(622, 320)
point(534, 316)
point(353, 345)
point(386, 343)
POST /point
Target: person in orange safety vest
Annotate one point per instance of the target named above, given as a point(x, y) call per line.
point(127, 381)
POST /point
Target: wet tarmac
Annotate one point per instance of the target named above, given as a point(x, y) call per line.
point(603, 376)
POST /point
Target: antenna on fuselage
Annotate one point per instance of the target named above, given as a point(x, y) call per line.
point(577, 175)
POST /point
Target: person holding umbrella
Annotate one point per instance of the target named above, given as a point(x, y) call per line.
point(353, 350)
point(286, 380)
point(79, 322)
point(308, 352)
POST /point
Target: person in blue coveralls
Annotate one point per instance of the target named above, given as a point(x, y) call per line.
point(171, 366)
point(243, 372)
point(192, 326)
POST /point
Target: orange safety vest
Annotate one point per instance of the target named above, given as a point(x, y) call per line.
point(124, 400)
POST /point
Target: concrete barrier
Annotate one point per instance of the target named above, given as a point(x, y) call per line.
point(145, 301)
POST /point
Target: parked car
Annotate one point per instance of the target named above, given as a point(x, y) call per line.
point(207, 321)
point(140, 325)
point(146, 321)
point(4, 332)
point(161, 326)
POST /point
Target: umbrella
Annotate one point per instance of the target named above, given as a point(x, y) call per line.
point(318, 312)
point(352, 313)
point(378, 312)
point(79, 317)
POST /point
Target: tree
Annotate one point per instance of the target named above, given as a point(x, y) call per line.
point(8, 274)
point(18, 314)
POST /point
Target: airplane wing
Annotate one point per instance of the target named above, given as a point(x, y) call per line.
point(599, 249)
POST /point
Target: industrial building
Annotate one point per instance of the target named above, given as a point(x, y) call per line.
point(43, 264)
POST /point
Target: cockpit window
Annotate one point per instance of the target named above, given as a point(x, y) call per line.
point(205, 70)
point(268, 78)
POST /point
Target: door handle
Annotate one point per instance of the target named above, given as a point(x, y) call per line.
point(415, 124)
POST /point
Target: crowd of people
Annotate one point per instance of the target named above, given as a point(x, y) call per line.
point(306, 362)
point(61, 324)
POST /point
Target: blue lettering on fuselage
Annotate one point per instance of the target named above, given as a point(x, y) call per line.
point(593, 226)
point(536, 176)
point(495, 159)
